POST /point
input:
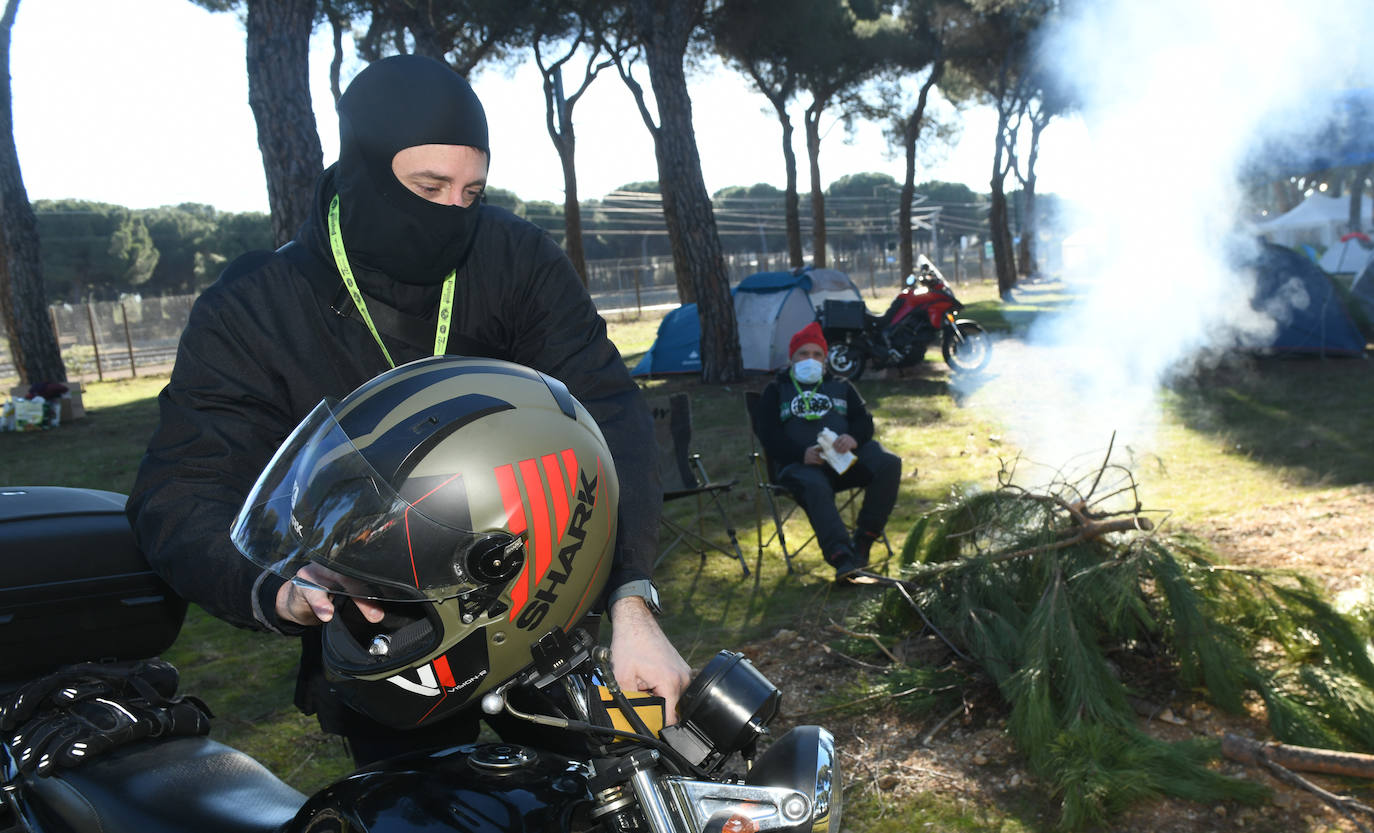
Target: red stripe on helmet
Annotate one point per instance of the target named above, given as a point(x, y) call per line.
point(539, 518)
point(443, 672)
point(555, 478)
point(515, 522)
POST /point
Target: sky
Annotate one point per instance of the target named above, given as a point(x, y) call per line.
point(145, 103)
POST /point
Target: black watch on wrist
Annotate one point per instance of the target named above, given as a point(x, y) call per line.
point(642, 588)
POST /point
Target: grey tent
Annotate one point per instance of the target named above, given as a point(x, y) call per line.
point(771, 306)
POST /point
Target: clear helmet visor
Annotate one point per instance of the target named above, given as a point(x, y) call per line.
point(320, 502)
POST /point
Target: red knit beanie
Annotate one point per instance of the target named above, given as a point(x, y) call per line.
point(810, 334)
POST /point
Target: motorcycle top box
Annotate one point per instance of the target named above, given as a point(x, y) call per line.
point(843, 315)
point(73, 585)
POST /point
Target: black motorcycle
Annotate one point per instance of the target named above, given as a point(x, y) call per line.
point(67, 557)
point(915, 320)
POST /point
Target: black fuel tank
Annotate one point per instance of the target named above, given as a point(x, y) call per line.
point(474, 788)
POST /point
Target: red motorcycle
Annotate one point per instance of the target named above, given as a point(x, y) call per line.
point(915, 320)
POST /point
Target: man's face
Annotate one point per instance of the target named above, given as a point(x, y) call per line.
point(443, 174)
point(808, 351)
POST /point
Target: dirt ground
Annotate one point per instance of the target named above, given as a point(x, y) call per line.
point(971, 759)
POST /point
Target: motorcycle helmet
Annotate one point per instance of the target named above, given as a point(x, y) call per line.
point(474, 500)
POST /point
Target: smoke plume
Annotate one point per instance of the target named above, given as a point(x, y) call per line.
point(1176, 95)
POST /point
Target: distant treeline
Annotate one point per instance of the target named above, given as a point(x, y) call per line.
point(98, 251)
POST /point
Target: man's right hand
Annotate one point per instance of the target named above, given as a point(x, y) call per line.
point(309, 605)
point(813, 456)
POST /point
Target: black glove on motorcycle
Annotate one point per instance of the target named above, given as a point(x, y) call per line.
point(153, 680)
point(81, 711)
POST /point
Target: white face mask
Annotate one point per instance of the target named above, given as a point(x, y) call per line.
point(808, 371)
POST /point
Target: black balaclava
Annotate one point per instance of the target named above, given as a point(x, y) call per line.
point(393, 104)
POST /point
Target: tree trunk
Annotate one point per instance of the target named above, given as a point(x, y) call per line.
point(791, 208)
point(572, 210)
point(1029, 228)
point(906, 254)
point(999, 221)
point(790, 201)
point(558, 120)
point(279, 94)
point(337, 24)
point(1025, 253)
point(813, 155)
point(999, 224)
point(1357, 197)
point(664, 27)
point(911, 131)
point(23, 301)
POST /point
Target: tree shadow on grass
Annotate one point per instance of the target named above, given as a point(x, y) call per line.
point(1309, 415)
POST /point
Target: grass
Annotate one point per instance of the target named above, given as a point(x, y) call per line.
point(1231, 438)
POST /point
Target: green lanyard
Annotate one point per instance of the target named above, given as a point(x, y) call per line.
point(346, 272)
point(806, 396)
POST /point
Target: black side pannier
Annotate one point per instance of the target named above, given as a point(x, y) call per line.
point(73, 586)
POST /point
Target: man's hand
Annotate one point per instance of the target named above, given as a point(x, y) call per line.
point(643, 658)
point(813, 457)
point(309, 606)
point(844, 443)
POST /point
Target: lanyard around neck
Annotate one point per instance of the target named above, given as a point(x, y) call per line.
point(807, 397)
point(346, 272)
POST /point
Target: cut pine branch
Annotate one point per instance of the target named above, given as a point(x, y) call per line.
point(1301, 758)
point(1070, 536)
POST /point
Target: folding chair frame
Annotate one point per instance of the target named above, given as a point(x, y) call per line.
point(691, 471)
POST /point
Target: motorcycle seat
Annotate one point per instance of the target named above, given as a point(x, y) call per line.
point(179, 785)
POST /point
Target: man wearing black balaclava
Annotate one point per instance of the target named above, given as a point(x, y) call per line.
point(398, 244)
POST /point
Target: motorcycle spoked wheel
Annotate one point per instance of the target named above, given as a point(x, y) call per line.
point(845, 361)
point(970, 352)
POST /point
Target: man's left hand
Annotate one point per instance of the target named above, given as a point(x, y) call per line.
point(643, 658)
point(844, 443)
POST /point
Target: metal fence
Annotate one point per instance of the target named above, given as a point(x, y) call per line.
point(118, 339)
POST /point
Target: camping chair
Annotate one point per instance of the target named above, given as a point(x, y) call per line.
point(683, 475)
point(766, 482)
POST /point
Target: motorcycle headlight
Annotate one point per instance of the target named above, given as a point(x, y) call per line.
point(804, 760)
point(725, 709)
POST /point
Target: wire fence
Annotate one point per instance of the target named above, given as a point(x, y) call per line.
point(138, 336)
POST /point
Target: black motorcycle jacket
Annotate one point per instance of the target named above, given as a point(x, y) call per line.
point(277, 333)
point(781, 419)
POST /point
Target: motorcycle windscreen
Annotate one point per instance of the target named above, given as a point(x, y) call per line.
point(320, 502)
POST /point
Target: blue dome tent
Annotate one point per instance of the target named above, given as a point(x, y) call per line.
point(1304, 304)
point(676, 348)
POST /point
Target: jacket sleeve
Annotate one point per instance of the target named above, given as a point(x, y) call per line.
point(860, 420)
point(562, 334)
point(218, 426)
point(779, 447)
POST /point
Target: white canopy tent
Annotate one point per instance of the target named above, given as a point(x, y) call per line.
point(1348, 257)
point(1317, 221)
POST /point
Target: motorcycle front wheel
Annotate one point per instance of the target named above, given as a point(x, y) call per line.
point(969, 351)
point(845, 361)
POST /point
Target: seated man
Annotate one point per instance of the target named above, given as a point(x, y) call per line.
point(792, 411)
